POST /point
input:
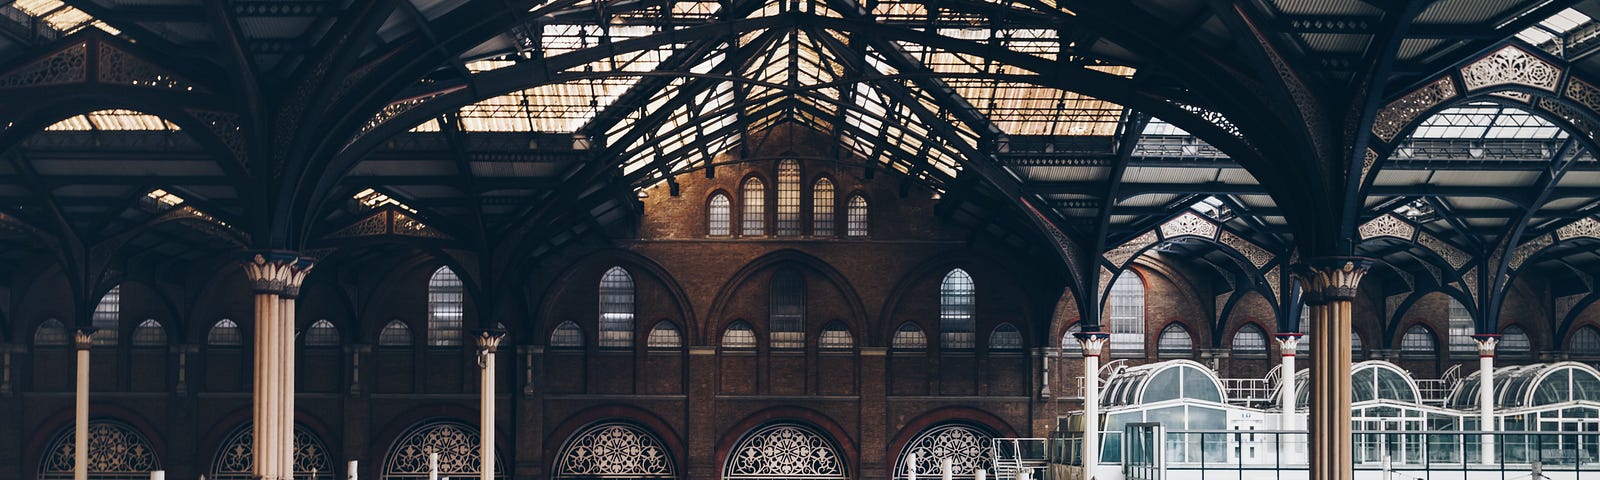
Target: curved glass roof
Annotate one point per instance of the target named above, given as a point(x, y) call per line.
point(1372, 381)
point(1163, 381)
point(1531, 386)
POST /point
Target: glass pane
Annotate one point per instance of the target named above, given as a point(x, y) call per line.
point(51, 333)
point(106, 317)
point(788, 198)
point(719, 217)
point(856, 217)
point(322, 334)
point(755, 201)
point(1127, 314)
point(788, 309)
point(616, 309)
point(822, 208)
point(445, 309)
point(149, 334)
point(1166, 385)
point(566, 335)
point(909, 337)
point(225, 333)
point(1198, 385)
point(739, 335)
point(395, 334)
point(957, 307)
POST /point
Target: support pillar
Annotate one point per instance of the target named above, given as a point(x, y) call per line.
point(1486, 346)
point(488, 344)
point(1093, 343)
point(1330, 284)
point(276, 278)
point(1287, 344)
point(83, 339)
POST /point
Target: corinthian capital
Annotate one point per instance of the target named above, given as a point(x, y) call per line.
point(83, 338)
point(1329, 279)
point(277, 273)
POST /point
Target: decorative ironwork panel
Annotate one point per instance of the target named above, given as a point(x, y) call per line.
point(1274, 278)
point(1367, 162)
point(1528, 249)
point(967, 447)
point(1258, 256)
point(1120, 255)
point(226, 127)
point(117, 67)
point(1189, 223)
point(1511, 66)
point(1585, 227)
point(1520, 97)
point(1451, 255)
point(1583, 93)
point(1387, 226)
point(614, 450)
point(1471, 280)
point(1105, 280)
point(116, 452)
point(399, 107)
point(1397, 114)
point(236, 458)
point(411, 227)
point(62, 67)
point(456, 444)
point(784, 451)
point(1568, 114)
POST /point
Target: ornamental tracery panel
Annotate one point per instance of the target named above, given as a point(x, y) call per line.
point(235, 460)
point(614, 450)
point(967, 447)
point(117, 451)
point(784, 451)
point(455, 442)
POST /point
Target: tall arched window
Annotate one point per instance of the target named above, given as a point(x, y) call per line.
point(566, 335)
point(107, 317)
point(958, 308)
point(909, 338)
point(395, 334)
point(1586, 342)
point(1514, 343)
point(1175, 342)
point(616, 309)
point(1250, 341)
point(719, 217)
point(1005, 338)
point(856, 216)
point(754, 198)
point(788, 198)
point(665, 335)
point(225, 333)
point(739, 335)
point(822, 208)
point(1418, 342)
point(444, 308)
point(787, 316)
point(149, 333)
point(51, 333)
point(1461, 330)
point(1127, 314)
point(322, 334)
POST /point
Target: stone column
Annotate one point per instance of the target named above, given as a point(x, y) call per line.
point(1093, 343)
point(1287, 344)
point(1330, 285)
point(488, 344)
point(83, 339)
point(276, 278)
point(1486, 346)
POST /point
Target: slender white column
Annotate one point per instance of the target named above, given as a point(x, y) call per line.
point(1486, 346)
point(488, 344)
point(1288, 343)
point(1093, 343)
point(83, 339)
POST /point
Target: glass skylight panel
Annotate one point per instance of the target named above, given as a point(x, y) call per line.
point(163, 199)
point(1486, 121)
point(373, 199)
point(61, 17)
point(126, 120)
point(1558, 24)
point(558, 108)
point(1159, 127)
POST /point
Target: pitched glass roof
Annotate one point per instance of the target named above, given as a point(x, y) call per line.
point(113, 120)
point(1553, 27)
point(1480, 121)
point(60, 17)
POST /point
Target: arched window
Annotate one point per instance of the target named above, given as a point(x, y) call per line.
point(444, 308)
point(957, 310)
point(395, 334)
point(784, 450)
point(1355, 345)
point(616, 309)
point(665, 335)
point(225, 333)
point(1461, 330)
point(788, 198)
point(739, 335)
point(457, 446)
point(51, 333)
point(909, 337)
point(754, 197)
point(107, 317)
point(1250, 341)
point(322, 334)
point(822, 208)
point(116, 451)
point(1514, 343)
point(968, 448)
point(1175, 342)
point(1586, 342)
point(787, 316)
point(719, 217)
point(566, 335)
point(835, 336)
point(856, 216)
point(149, 333)
point(1127, 314)
point(1070, 346)
point(613, 450)
point(1418, 342)
point(1005, 338)
point(236, 459)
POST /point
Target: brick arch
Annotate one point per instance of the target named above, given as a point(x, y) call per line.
point(1392, 331)
point(848, 451)
point(718, 319)
point(936, 266)
point(558, 437)
point(56, 423)
point(636, 264)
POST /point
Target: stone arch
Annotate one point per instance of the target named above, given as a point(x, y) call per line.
point(717, 316)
